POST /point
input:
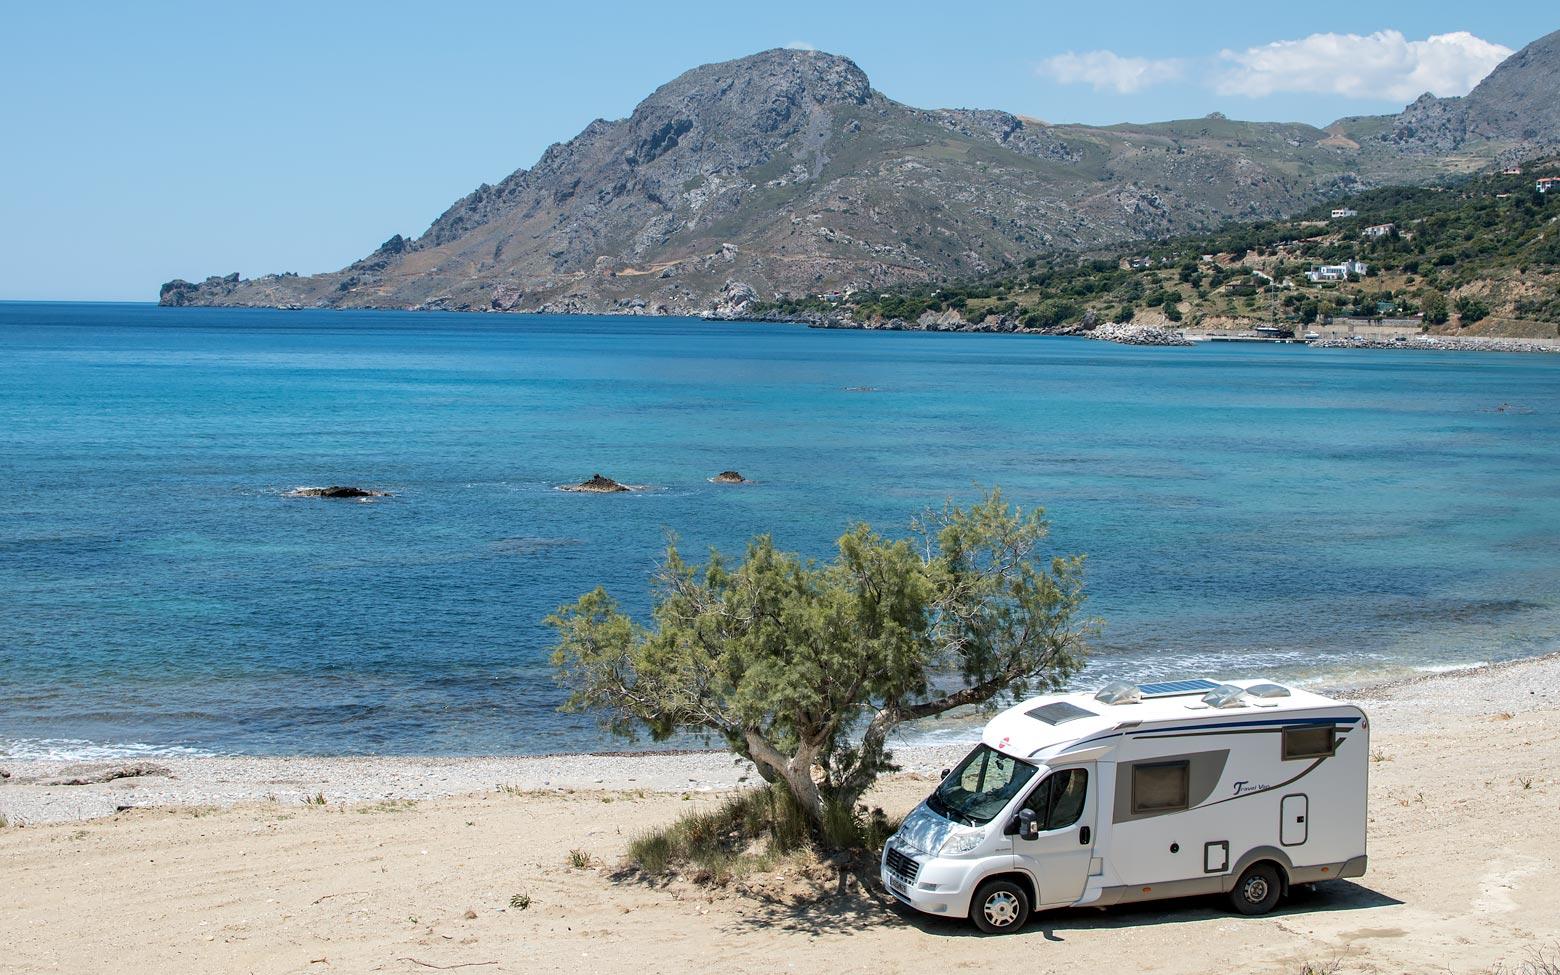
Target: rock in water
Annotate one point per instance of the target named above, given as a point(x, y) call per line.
point(729, 477)
point(337, 491)
point(597, 485)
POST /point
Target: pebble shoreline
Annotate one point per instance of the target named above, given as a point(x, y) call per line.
point(1401, 705)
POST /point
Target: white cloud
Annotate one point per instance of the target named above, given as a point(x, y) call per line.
point(1384, 66)
point(1109, 71)
point(800, 46)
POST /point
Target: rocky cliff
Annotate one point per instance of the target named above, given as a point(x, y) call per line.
point(786, 173)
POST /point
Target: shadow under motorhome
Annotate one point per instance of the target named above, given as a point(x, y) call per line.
point(1138, 793)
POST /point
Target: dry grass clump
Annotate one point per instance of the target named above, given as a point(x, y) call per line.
point(752, 832)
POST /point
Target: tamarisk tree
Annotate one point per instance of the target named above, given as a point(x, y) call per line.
point(805, 668)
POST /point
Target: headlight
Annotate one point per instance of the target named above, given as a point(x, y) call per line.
point(961, 842)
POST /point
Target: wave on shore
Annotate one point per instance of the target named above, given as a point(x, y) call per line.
point(82, 750)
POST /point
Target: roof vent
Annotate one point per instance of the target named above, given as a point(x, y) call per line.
point(1225, 696)
point(1059, 712)
point(1119, 692)
point(1267, 690)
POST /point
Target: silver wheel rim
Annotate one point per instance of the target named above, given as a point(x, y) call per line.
point(1256, 889)
point(1001, 909)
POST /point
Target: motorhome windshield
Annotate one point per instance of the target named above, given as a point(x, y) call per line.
point(980, 786)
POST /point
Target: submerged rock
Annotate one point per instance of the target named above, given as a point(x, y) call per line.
point(337, 491)
point(597, 485)
point(729, 477)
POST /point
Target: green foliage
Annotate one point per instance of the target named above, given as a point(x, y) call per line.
point(1475, 229)
point(520, 901)
point(1433, 304)
point(1470, 310)
point(805, 667)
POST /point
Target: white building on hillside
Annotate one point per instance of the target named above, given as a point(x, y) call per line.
point(1379, 230)
point(1343, 213)
point(1337, 272)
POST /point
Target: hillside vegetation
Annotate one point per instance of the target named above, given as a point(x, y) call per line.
point(1482, 254)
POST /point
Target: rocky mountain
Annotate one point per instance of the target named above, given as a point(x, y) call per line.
point(785, 173)
point(1516, 108)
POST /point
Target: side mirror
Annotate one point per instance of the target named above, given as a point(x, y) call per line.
point(945, 772)
point(1028, 829)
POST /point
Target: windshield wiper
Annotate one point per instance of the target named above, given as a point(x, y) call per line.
point(946, 811)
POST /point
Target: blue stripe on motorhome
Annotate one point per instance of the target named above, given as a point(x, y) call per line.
point(1162, 732)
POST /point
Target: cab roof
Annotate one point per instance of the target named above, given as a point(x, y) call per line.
point(1053, 722)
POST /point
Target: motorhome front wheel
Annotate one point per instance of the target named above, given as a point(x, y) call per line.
point(999, 906)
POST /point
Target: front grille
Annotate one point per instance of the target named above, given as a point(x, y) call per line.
point(902, 866)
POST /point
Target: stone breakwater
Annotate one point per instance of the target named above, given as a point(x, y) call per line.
point(929, 322)
point(1137, 335)
point(1443, 343)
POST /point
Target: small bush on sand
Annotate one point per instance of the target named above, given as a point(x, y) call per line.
point(1540, 961)
point(750, 833)
point(579, 859)
point(1321, 968)
point(520, 901)
point(318, 799)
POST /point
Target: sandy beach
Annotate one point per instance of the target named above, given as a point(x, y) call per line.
point(221, 865)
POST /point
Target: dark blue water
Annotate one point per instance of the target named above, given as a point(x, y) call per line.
point(1308, 514)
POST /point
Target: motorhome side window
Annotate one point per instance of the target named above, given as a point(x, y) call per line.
point(1161, 787)
point(1311, 742)
point(1057, 802)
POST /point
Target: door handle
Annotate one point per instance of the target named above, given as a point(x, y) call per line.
point(1083, 836)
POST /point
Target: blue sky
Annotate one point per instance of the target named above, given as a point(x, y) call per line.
point(157, 140)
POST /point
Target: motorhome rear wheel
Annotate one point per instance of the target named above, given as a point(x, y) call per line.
point(1258, 889)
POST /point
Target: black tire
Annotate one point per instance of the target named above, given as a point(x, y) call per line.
point(999, 907)
point(1258, 889)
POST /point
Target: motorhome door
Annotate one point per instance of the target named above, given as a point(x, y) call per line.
point(1058, 856)
point(1293, 829)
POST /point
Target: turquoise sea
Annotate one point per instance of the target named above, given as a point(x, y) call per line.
point(1311, 515)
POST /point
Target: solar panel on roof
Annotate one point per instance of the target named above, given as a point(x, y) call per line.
point(1170, 688)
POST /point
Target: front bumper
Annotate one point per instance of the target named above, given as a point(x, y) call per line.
point(941, 886)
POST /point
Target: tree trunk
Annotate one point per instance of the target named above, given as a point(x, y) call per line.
point(794, 770)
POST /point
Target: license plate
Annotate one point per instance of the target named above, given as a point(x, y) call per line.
point(897, 886)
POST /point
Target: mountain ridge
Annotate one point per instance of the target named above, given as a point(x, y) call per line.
point(786, 173)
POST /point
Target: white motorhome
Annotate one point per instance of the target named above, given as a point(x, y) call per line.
point(1135, 793)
